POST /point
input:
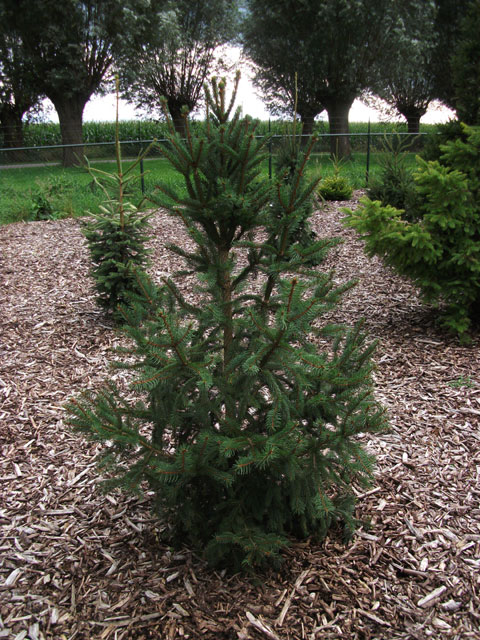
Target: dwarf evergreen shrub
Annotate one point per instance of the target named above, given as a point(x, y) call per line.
point(250, 402)
point(441, 251)
point(336, 186)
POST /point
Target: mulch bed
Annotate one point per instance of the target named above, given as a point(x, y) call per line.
point(77, 563)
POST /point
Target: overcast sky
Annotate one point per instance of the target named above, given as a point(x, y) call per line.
point(103, 108)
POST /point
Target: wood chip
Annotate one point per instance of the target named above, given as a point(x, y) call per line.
point(78, 563)
point(261, 626)
point(432, 597)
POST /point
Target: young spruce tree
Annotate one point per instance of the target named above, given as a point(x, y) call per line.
point(117, 234)
point(252, 402)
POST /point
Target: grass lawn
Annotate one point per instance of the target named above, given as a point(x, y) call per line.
point(30, 193)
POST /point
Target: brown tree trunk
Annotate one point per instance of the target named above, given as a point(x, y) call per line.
point(175, 110)
point(412, 115)
point(338, 111)
point(308, 122)
point(413, 124)
point(70, 115)
point(11, 129)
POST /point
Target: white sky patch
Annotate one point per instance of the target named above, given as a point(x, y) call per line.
point(102, 108)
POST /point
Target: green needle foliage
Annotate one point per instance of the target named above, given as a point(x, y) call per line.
point(252, 402)
point(440, 249)
point(335, 187)
point(395, 185)
point(116, 235)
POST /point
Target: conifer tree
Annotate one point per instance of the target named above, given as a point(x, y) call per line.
point(117, 234)
point(251, 400)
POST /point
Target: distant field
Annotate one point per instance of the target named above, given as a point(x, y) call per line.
point(102, 134)
point(39, 134)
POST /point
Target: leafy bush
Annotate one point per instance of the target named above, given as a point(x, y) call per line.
point(395, 185)
point(247, 430)
point(50, 198)
point(441, 251)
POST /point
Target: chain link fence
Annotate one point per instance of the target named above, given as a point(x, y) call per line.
point(365, 159)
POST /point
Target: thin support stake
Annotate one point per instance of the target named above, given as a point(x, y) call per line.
point(142, 177)
point(367, 173)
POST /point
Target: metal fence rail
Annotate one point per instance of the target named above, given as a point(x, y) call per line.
point(367, 143)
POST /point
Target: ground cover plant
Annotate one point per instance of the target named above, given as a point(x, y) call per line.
point(440, 249)
point(75, 191)
point(246, 432)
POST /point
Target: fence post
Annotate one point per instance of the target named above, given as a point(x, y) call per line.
point(368, 154)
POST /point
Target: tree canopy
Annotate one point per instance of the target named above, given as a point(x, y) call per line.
point(70, 46)
point(409, 85)
point(337, 47)
point(19, 91)
point(448, 19)
point(177, 55)
point(466, 67)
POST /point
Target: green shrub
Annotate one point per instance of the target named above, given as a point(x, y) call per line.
point(116, 239)
point(289, 157)
point(446, 132)
point(51, 198)
point(246, 429)
point(336, 186)
point(395, 185)
point(441, 250)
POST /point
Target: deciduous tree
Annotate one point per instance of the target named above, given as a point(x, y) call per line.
point(447, 26)
point(407, 83)
point(70, 46)
point(178, 55)
point(337, 47)
point(19, 91)
point(466, 67)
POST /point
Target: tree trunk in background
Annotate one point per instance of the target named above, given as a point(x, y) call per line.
point(413, 125)
point(178, 120)
point(412, 115)
point(338, 111)
point(308, 122)
point(11, 129)
point(70, 115)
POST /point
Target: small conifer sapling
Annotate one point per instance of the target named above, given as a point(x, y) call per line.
point(251, 400)
point(117, 234)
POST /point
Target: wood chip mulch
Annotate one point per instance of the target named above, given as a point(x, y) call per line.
point(78, 563)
